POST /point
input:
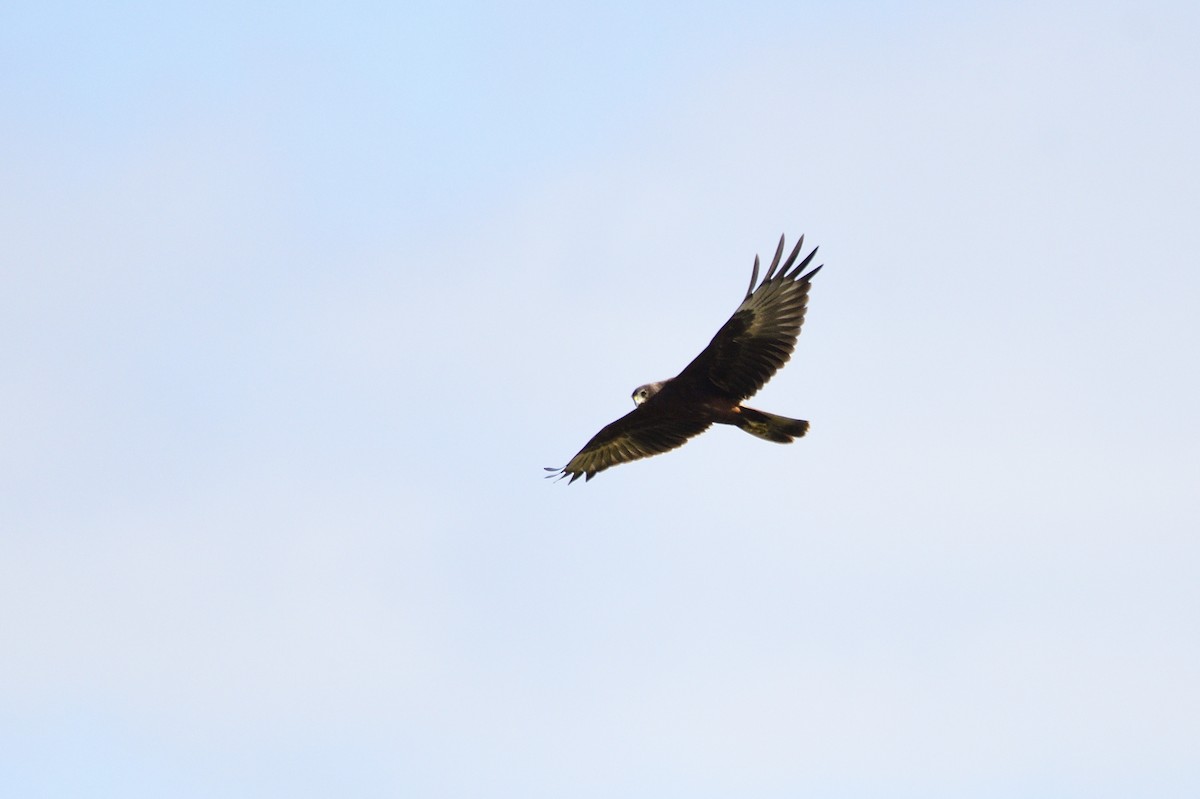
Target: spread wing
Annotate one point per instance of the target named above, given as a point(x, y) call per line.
point(649, 429)
point(760, 336)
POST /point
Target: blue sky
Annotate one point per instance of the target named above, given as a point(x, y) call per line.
point(297, 302)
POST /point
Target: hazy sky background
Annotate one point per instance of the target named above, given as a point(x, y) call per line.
point(296, 301)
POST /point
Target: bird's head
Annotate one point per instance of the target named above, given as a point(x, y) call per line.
point(643, 393)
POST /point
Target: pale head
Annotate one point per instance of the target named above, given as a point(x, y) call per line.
point(643, 393)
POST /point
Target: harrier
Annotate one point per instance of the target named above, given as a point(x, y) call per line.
point(756, 341)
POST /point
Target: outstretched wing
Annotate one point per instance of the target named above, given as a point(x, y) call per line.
point(647, 430)
point(760, 336)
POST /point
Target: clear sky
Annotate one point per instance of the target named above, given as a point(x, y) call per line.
point(296, 301)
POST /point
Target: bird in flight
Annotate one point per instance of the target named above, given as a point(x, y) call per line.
point(748, 349)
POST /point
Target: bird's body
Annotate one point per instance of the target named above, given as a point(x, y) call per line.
point(748, 349)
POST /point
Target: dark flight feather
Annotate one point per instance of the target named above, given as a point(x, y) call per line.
point(761, 335)
point(649, 429)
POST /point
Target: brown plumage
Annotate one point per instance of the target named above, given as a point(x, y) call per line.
point(756, 341)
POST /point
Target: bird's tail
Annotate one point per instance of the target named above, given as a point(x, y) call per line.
point(771, 427)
